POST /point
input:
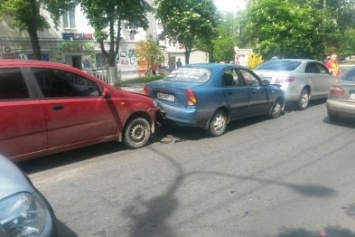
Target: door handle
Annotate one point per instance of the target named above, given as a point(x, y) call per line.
point(57, 107)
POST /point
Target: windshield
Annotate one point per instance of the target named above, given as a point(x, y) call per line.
point(199, 75)
point(279, 65)
point(349, 76)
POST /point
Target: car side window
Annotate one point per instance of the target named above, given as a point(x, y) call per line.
point(249, 78)
point(323, 69)
point(231, 78)
point(57, 83)
point(312, 68)
point(12, 84)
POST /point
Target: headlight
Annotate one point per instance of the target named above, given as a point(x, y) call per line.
point(24, 214)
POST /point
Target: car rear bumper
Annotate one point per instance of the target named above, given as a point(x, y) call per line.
point(183, 116)
point(341, 108)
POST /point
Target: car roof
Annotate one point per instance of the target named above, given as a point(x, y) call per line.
point(212, 65)
point(295, 59)
point(18, 62)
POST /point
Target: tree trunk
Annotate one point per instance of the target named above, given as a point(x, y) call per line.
point(32, 31)
point(187, 54)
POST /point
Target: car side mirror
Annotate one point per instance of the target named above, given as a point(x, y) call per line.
point(266, 82)
point(106, 93)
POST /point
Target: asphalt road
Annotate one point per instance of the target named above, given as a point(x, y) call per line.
point(285, 177)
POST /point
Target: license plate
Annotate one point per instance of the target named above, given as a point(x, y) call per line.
point(164, 96)
point(352, 97)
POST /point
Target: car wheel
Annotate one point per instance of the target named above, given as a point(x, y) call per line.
point(218, 124)
point(303, 101)
point(276, 109)
point(333, 117)
point(137, 133)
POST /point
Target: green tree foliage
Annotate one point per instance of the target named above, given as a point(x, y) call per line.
point(227, 38)
point(25, 15)
point(107, 17)
point(149, 53)
point(279, 27)
point(298, 28)
point(186, 21)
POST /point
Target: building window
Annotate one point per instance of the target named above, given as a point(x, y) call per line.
point(69, 18)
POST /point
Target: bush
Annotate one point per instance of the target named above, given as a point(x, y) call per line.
point(144, 79)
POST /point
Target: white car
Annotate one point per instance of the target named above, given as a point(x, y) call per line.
point(23, 209)
point(302, 80)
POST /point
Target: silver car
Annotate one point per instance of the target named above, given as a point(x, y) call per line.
point(23, 210)
point(302, 80)
point(341, 98)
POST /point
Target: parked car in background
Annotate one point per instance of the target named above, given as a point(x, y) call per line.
point(302, 80)
point(49, 107)
point(341, 97)
point(209, 96)
point(23, 209)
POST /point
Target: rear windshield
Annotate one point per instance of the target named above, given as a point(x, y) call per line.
point(279, 65)
point(198, 75)
point(349, 76)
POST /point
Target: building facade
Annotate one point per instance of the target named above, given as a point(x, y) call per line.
point(73, 43)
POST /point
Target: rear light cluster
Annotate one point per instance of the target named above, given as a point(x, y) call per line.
point(335, 90)
point(146, 89)
point(285, 79)
point(191, 97)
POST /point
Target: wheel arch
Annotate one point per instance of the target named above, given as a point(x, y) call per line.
point(134, 115)
point(224, 109)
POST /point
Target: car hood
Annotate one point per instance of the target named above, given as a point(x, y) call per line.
point(12, 180)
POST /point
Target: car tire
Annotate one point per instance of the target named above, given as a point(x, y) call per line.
point(137, 133)
point(303, 101)
point(276, 109)
point(218, 124)
point(333, 117)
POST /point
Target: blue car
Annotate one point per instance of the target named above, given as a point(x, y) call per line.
point(209, 96)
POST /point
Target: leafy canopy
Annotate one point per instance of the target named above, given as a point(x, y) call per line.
point(107, 16)
point(185, 21)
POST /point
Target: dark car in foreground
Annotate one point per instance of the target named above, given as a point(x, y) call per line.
point(302, 80)
point(341, 97)
point(209, 96)
point(24, 212)
point(50, 107)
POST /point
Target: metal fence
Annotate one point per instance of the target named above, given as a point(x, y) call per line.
point(109, 75)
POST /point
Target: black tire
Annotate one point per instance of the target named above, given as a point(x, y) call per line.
point(276, 109)
point(333, 117)
point(303, 101)
point(137, 133)
point(218, 124)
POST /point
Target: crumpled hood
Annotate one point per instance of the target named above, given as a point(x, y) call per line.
point(12, 180)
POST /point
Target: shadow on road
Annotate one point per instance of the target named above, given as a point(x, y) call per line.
point(63, 230)
point(149, 218)
point(331, 231)
point(350, 210)
point(292, 106)
point(69, 157)
point(343, 122)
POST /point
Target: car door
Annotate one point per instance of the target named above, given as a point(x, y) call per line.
point(235, 93)
point(22, 121)
point(259, 102)
point(328, 80)
point(74, 108)
point(319, 79)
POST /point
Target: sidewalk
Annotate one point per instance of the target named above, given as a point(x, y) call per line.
point(138, 88)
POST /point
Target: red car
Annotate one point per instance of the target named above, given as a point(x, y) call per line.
point(48, 107)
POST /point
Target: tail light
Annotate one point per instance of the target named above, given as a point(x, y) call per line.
point(285, 79)
point(146, 89)
point(191, 97)
point(335, 90)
